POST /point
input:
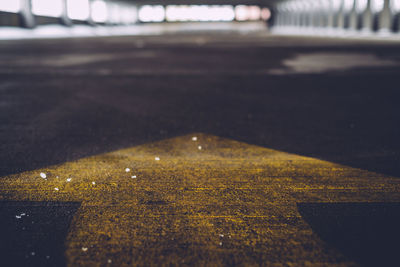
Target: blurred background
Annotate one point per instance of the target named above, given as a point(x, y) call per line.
point(85, 17)
point(327, 17)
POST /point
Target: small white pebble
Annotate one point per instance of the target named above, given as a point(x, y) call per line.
point(84, 249)
point(43, 175)
point(109, 261)
point(33, 253)
point(133, 176)
point(221, 235)
point(194, 138)
point(127, 170)
point(69, 179)
point(93, 183)
point(220, 243)
point(57, 176)
point(199, 147)
point(56, 188)
point(23, 214)
point(17, 216)
point(157, 158)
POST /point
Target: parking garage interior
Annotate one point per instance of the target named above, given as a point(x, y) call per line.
point(199, 132)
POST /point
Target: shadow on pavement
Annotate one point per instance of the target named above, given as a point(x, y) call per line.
point(34, 233)
point(367, 233)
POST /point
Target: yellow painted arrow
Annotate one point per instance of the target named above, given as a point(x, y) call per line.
point(197, 199)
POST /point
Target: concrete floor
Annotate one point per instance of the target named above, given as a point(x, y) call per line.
point(295, 163)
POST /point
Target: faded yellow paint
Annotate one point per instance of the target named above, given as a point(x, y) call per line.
point(229, 202)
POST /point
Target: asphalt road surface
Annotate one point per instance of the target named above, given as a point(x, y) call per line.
point(207, 148)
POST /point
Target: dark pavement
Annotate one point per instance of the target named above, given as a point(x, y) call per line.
point(66, 99)
point(330, 99)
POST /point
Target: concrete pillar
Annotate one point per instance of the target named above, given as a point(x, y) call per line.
point(316, 23)
point(326, 14)
point(290, 12)
point(294, 14)
point(290, 16)
point(284, 17)
point(347, 8)
point(396, 23)
point(385, 18)
point(353, 16)
point(91, 22)
point(27, 18)
point(307, 16)
point(313, 13)
point(310, 15)
point(395, 7)
point(367, 18)
point(320, 16)
point(360, 8)
point(297, 14)
point(275, 23)
point(297, 10)
point(64, 17)
point(304, 17)
point(302, 13)
point(282, 14)
point(340, 16)
point(281, 18)
point(330, 13)
point(278, 17)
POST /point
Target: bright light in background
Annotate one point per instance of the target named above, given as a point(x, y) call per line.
point(177, 13)
point(348, 5)
point(395, 5)
point(78, 9)
point(265, 14)
point(128, 15)
point(151, 13)
point(377, 5)
point(12, 6)
point(336, 4)
point(199, 13)
point(99, 11)
point(222, 13)
point(115, 13)
point(47, 8)
point(243, 13)
point(361, 5)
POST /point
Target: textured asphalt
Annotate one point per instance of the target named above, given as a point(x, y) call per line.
point(296, 165)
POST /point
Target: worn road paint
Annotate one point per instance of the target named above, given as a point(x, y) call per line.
point(229, 203)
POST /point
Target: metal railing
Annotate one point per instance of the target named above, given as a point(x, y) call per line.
point(356, 16)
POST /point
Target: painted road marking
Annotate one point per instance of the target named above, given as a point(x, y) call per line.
point(230, 203)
